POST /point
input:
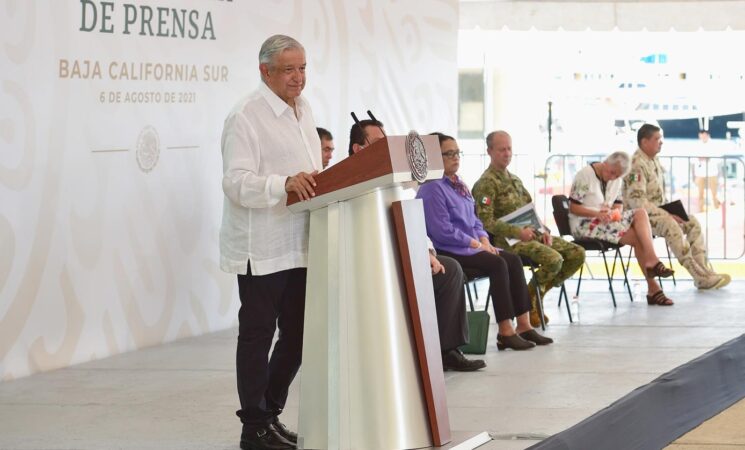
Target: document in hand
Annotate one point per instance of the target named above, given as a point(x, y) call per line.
point(676, 207)
point(525, 216)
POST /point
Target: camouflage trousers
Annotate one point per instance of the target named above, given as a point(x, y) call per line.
point(555, 263)
point(685, 239)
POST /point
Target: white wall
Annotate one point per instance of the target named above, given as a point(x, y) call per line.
point(102, 252)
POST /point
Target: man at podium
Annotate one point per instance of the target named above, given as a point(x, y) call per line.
point(447, 276)
point(269, 148)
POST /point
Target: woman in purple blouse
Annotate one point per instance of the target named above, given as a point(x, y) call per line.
point(457, 232)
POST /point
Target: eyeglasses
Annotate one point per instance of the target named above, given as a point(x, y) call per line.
point(451, 154)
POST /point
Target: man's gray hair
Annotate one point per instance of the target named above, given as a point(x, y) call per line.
point(621, 159)
point(275, 45)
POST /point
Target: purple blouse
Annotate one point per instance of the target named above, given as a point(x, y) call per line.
point(449, 212)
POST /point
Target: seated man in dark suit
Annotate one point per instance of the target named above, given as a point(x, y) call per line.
point(447, 278)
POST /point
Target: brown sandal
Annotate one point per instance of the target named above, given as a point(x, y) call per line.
point(659, 298)
point(659, 270)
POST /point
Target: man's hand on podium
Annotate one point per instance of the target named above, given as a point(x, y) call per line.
point(302, 184)
point(435, 265)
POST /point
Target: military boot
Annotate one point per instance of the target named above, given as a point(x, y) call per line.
point(535, 319)
point(702, 278)
point(725, 280)
point(706, 265)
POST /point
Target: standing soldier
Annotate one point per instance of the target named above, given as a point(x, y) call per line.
point(644, 187)
point(498, 193)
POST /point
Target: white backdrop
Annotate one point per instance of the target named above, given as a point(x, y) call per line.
point(110, 207)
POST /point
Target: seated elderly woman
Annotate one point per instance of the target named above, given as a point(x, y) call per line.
point(457, 232)
point(596, 211)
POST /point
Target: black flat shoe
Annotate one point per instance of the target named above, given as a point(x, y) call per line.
point(514, 342)
point(455, 360)
point(283, 431)
point(537, 339)
point(265, 439)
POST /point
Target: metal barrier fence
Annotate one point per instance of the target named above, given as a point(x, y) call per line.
point(723, 227)
point(696, 181)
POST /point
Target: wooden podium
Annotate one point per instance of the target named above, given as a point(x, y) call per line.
point(372, 372)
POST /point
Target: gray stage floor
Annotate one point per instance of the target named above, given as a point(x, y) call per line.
point(183, 395)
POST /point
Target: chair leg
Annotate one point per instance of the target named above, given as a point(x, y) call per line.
point(628, 259)
point(625, 275)
point(468, 292)
point(626, 271)
point(659, 278)
point(628, 267)
point(670, 262)
point(579, 281)
point(589, 270)
point(613, 269)
point(610, 279)
point(563, 294)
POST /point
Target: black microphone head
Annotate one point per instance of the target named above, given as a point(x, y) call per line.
point(356, 128)
point(370, 114)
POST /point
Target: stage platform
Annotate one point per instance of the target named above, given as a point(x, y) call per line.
point(183, 396)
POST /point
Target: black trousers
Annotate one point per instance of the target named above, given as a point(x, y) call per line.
point(507, 286)
point(450, 302)
point(268, 302)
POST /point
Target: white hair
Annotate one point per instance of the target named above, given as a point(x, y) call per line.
point(275, 45)
point(621, 159)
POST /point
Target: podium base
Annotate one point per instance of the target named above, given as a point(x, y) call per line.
point(360, 383)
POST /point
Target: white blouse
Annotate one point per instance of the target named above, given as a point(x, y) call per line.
point(591, 192)
point(263, 143)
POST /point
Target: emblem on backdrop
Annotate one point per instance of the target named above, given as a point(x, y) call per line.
point(417, 156)
point(148, 149)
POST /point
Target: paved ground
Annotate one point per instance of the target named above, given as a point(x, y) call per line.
point(724, 431)
point(182, 395)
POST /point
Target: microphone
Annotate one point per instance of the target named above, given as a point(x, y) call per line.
point(357, 122)
point(376, 120)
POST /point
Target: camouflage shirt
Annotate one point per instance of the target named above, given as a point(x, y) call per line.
point(644, 186)
point(498, 193)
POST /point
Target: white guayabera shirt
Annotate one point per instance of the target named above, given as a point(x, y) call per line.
point(263, 143)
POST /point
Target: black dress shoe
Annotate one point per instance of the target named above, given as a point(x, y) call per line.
point(283, 431)
point(455, 360)
point(514, 342)
point(533, 336)
point(265, 439)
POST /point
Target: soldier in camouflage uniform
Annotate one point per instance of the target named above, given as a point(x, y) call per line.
point(497, 193)
point(644, 188)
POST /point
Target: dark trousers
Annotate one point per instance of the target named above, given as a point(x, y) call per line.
point(268, 302)
point(507, 286)
point(450, 302)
